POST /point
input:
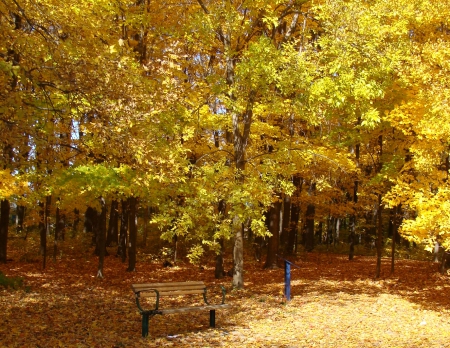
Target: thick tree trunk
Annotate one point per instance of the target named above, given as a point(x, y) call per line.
point(132, 217)
point(122, 247)
point(274, 229)
point(4, 225)
point(101, 238)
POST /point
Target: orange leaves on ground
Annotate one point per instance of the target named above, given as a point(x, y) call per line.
point(335, 303)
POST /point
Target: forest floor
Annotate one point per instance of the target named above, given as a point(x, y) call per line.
point(335, 303)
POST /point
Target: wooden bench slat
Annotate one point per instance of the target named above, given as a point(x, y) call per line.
point(170, 284)
point(170, 293)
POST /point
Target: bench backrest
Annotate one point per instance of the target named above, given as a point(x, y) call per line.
point(169, 289)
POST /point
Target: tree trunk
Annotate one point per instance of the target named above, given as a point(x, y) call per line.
point(101, 237)
point(113, 226)
point(76, 221)
point(352, 236)
point(379, 216)
point(274, 229)
point(285, 222)
point(295, 216)
point(122, 247)
point(42, 233)
point(379, 237)
point(393, 222)
point(238, 254)
point(146, 218)
point(20, 218)
point(132, 218)
point(219, 270)
point(310, 215)
point(4, 224)
point(55, 239)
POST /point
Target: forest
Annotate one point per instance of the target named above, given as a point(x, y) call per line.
point(224, 135)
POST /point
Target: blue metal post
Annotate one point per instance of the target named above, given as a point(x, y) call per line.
point(287, 280)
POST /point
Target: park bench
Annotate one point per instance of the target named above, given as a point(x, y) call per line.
point(157, 290)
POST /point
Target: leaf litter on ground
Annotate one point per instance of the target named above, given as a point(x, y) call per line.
point(336, 303)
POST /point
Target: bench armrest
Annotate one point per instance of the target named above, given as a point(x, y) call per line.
point(138, 295)
point(224, 291)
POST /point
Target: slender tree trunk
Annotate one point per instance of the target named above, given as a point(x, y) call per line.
point(132, 202)
point(285, 223)
point(352, 236)
point(111, 236)
point(295, 216)
point(219, 270)
point(4, 225)
point(20, 218)
point(379, 237)
point(379, 215)
point(76, 221)
point(101, 238)
point(122, 247)
point(55, 239)
point(274, 229)
point(42, 233)
point(146, 218)
point(394, 236)
point(320, 232)
point(310, 215)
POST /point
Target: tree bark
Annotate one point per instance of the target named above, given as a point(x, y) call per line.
point(238, 254)
point(4, 225)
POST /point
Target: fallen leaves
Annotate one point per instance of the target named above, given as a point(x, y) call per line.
point(66, 307)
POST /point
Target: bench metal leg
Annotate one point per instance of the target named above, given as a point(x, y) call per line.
point(145, 317)
point(212, 318)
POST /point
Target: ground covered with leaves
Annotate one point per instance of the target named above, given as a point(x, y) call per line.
point(335, 303)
